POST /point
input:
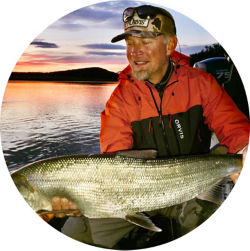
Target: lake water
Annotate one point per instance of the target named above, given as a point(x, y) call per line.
point(47, 119)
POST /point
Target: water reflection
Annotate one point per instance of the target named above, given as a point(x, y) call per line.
point(41, 120)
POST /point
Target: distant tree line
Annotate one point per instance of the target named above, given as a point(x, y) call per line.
point(84, 74)
point(214, 50)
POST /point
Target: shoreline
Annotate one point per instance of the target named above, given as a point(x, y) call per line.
point(65, 82)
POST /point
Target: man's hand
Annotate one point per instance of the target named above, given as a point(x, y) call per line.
point(60, 203)
point(243, 151)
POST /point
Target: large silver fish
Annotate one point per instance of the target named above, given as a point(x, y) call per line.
point(117, 186)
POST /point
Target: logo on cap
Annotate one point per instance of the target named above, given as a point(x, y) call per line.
point(136, 21)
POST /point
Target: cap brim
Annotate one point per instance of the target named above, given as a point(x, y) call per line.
point(118, 37)
point(136, 33)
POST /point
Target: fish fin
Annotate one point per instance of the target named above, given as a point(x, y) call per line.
point(142, 154)
point(216, 193)
point(219, 149)
point(109, 231)
point(22, 183)
point(142, 220)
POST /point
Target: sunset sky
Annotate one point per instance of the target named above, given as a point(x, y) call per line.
point(82, 39)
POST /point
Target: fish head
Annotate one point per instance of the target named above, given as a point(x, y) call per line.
point(35, 199)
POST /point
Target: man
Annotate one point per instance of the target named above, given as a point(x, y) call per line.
point(164, 105)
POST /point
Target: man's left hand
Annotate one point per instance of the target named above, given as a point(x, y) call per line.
point(243, 151)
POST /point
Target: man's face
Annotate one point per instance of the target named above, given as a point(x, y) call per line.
point(147, 57)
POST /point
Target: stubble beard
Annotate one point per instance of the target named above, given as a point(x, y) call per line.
point(141, 75)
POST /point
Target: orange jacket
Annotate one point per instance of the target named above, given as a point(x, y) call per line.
point(193, 103)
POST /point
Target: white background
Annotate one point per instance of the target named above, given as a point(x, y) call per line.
point(21, 22)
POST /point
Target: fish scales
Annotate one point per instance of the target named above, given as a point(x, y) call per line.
point(114, 186)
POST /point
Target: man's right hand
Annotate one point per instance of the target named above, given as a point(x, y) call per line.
point(59, 203)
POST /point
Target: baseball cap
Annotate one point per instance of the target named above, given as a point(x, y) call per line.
point(146, 21)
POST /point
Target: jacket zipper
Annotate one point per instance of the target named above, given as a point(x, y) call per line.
point(159, 110)
point(161, 121)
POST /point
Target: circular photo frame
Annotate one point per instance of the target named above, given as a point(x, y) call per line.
point(60, 98)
